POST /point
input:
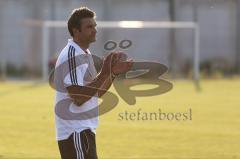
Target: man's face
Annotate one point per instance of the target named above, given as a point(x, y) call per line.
point(88, 30)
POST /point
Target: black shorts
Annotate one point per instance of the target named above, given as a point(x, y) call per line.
point(79, 146)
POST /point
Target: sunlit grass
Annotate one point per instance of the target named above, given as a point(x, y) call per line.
point(27, 128)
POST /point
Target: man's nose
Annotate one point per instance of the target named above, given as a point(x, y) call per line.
point(95, 30)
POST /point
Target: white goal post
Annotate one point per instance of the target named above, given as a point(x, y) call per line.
point(46, 25)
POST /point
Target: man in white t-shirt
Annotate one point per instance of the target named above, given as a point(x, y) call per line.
point(78, 86)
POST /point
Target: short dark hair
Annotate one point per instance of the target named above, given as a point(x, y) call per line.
point(77, 15)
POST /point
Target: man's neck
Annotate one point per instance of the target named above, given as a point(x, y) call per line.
point(84, 46)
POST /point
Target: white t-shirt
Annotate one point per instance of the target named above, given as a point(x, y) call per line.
point(68, 116)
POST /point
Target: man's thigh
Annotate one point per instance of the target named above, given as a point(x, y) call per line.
point(79, 146)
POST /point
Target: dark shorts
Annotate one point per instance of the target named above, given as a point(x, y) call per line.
point(79, 146)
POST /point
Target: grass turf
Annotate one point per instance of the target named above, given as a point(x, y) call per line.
point(27, 128)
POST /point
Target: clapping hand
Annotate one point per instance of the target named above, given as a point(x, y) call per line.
point(120, 64)
point(116, 63)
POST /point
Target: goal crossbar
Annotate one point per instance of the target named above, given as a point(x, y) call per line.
point(45, 25)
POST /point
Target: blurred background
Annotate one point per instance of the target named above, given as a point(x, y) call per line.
point(22, 33)
point(198, 40)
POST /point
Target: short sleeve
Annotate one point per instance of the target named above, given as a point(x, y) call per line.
point(75, 74)
point(74, 77)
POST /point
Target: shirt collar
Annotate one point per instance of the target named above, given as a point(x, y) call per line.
point(77, 47)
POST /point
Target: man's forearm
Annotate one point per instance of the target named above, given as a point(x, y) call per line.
point(81, 94)
point(106, 85)
point(102, 82)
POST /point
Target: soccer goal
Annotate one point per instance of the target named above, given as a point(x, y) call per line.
point(46, 27)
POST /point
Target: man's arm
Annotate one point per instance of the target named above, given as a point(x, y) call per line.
point(106, 85)
point(117, 69)
point(100, 85)
point(81, 94)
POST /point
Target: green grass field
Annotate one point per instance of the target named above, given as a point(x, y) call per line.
point(27, 128)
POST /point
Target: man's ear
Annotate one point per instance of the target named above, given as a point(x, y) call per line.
point(75, 31)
